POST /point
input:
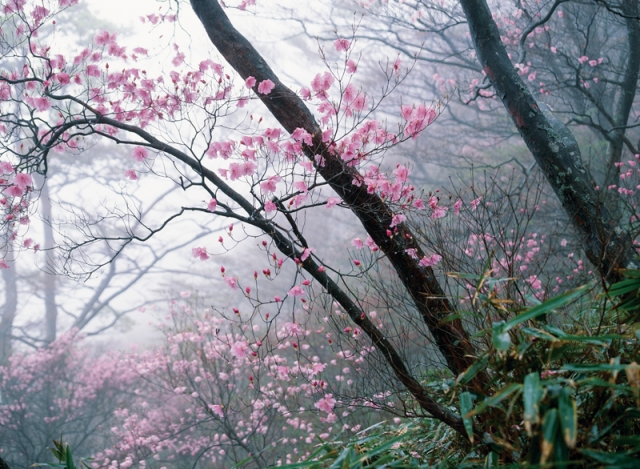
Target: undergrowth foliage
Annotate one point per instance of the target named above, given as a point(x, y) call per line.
point(567, 394)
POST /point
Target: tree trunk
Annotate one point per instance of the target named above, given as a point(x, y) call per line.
point(374, 214)
point(50, 307)
point(554, 148)
point(9, 310)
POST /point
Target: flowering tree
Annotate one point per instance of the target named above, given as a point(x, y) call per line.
point(558, 53)
point(55, 391)
point(67, 100)
point(268, 182)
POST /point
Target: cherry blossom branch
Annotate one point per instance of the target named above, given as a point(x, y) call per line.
point(375, 216)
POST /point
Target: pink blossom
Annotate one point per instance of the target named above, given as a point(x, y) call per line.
point(104, 38)
point(296, 291)
point(357, 243)
point(430, 261)
point(583, 59)
point(239, 349)
point(306, 253)
point(397, 219)
point(250, 82)
point(211, 206)
point(535, 283)
point(342, 45)
point(269, 186)
point(200, 253)
point(322, 82)
point(232, 282)
point(352, 67)
point(140, 154)
point(326, 404)
point(14, 191)
point(23, 180)
point(93, 71)
point(301, 135)
point(3, 264)
point(6, 167)
point(305, 93)
point(269, 206)
point(217, 409)
point(332, 202)
point(413, 252)
point(475, 203)
point(456, 207)
point(401, 172)
point(593, 62)
point(266, 86)
point(396, 66)
point(131, 174)
point(439, 212)
point(407, 111)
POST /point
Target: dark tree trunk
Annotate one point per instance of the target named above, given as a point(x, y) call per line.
point(374, 214)
point(553, 146)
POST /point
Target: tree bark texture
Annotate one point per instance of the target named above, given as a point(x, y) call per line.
point(554, 148)
point(373, 213)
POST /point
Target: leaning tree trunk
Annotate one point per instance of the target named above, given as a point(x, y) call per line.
point(554, 148)
point(375, 216)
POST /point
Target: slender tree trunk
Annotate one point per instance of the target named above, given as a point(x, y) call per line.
point(623, 108)
point(9, 310)
point(553, 146)
point(50, 307)
point(375, 216)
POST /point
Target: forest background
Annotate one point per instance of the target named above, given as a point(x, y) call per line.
point(339, 227)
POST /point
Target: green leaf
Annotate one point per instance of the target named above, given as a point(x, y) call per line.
point(596, 340)
point(497, 398)
point(549, 427)
point(500, 337)
point(473, 370)
point(568, 417)
point(531, 394)
point(69, 461)
point(547, 307)
point(491, 460)
point(580, 368)
point(466, 406)
point(619, 460)
point(539, 334)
